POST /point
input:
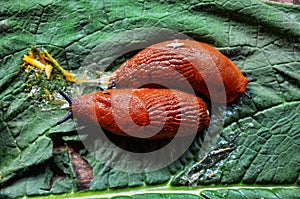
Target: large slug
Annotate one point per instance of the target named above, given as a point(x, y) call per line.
point(172, 63)
point(146, 113)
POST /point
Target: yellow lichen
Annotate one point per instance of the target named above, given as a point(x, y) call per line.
point(42, 60)
point(44, 75)
point(69, 76)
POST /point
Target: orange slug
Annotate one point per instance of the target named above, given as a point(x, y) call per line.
point(145, 113)
point(208, 71)
point(151, 99)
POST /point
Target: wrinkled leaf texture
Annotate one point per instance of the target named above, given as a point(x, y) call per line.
point(262, 39)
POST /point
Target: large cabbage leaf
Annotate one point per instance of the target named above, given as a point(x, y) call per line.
point(258, 150)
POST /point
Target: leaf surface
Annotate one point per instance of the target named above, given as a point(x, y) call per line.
point(263, 133)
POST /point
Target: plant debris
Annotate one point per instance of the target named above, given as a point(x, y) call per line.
point(44, 75)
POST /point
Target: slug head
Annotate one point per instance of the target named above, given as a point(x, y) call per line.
point(92, 107)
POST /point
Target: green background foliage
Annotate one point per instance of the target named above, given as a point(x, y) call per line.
point(262, 39)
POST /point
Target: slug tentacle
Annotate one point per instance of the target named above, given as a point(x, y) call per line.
point(68, 116)
point(247, 94)
point(69, 100)
point(112, 85)
point(102, 88)
point(252, 79)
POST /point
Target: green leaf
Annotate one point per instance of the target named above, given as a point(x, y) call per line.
point(249, 193)
point(261, 152)
point(258, 150)
point(37, 183)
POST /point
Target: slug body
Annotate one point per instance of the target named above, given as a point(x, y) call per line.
point(172, 63)
point(145, 113)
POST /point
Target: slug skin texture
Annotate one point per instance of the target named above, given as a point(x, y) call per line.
point(145, 113)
